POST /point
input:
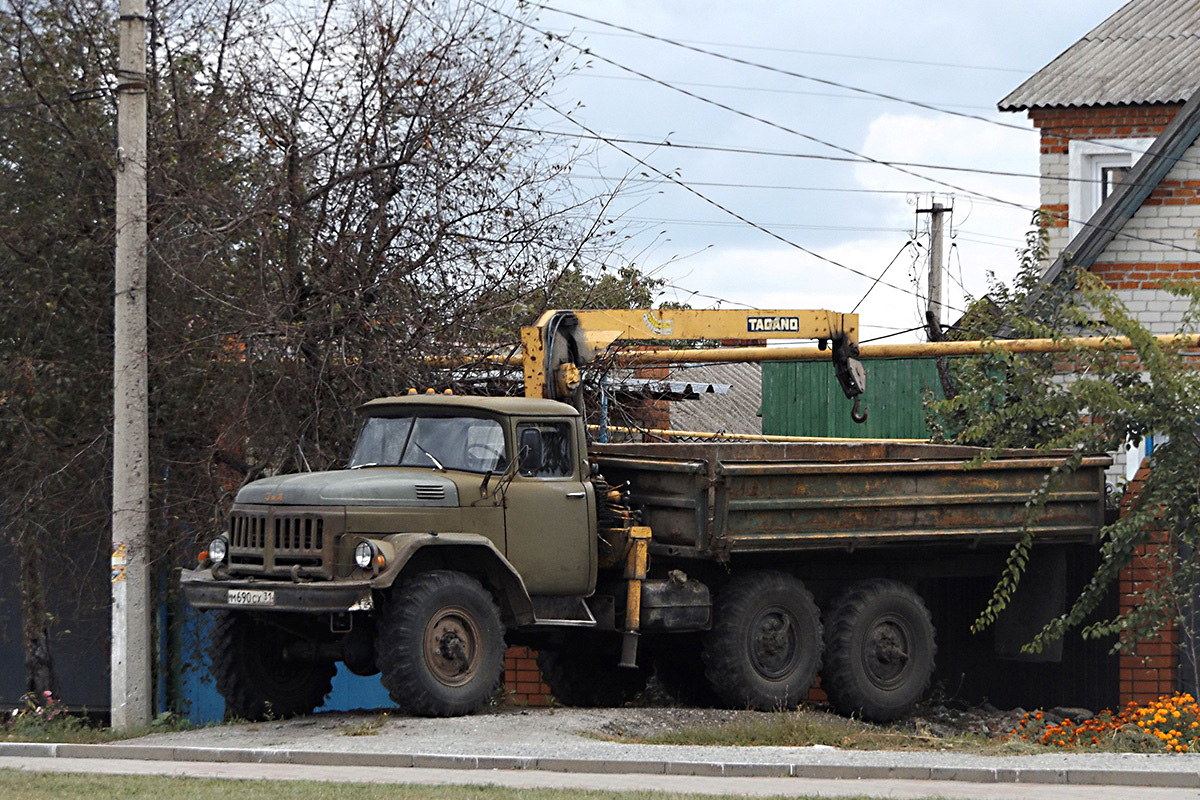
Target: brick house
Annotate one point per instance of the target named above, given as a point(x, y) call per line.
point(1119, 118)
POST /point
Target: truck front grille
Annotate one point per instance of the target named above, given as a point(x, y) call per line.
point(285, 541)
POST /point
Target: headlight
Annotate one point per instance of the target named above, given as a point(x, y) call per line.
point(364, 554)
point(217, 550)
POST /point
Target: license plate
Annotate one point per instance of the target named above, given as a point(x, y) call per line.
point(250, 597)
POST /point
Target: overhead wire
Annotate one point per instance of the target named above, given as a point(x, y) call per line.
point(666, 176)
point(715, 148)
point(875, 282)
point(812, 138)
point(723, 208)
point(786, 72)
point(766, 89)
point(854, 56)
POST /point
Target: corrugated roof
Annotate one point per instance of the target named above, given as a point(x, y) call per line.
point(735, 411)
point(1147, 52)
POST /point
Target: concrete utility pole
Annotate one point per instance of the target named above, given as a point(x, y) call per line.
point(934, 310)
point(131, 681)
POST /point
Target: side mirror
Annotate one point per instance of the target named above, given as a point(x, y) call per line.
point(529, 451)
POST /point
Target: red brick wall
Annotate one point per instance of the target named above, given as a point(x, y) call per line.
point(523, 684)
point(1059, 126)
point(655, 414)
point(1152, 669)
point(1144, 275)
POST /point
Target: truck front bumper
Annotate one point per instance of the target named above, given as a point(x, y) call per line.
point(202, 590)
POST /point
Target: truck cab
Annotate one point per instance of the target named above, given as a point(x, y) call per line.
point(494, 492)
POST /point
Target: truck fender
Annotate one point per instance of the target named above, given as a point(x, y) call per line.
point(466, 552)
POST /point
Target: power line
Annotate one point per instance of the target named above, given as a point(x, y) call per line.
point(697, 293)
point(766, 67)
point(857, 159)
point(815, 139)
point(715, 148)
point(768, 89)
point(776, 225)
point(779, 71)
point(723, 208)
point(830, 54)
point(880, 278)
point(728, 185)
point(890, 335)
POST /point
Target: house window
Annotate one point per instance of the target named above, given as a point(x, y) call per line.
point(1096, 169)
point(1110, 178)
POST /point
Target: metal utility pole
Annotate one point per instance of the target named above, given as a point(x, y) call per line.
point(131, 681)
point(933, 313)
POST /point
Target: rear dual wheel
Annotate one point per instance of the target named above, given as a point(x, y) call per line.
point(879, 650)
point(764, 649)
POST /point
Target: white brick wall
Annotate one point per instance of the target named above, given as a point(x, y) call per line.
point(1162, 232)
point(1054, 166)
point(1158, 311)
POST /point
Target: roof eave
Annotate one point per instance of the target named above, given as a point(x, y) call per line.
point(1104, 225)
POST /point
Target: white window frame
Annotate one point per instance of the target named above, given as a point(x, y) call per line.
point(1085, 159)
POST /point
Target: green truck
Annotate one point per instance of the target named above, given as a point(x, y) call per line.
point(465, 524)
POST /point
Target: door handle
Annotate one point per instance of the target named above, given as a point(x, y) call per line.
point(576, 494)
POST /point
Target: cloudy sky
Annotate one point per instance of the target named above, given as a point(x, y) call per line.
point(962, 57)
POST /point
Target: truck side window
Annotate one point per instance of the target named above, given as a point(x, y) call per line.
point(544, 449)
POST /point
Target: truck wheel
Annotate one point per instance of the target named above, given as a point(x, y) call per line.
point(253, 675)
point(879, 650)
point(589, 678)
point(441, 645)
point(764, 648)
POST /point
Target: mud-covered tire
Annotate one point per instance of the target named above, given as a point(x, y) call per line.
point(253, 676)
point(880, 647)
point(440, 645)
point(588, 677)
point(764, 649)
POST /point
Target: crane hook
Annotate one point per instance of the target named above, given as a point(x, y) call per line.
point(856, 415)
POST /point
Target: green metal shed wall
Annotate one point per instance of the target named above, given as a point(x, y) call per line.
point(803, 398)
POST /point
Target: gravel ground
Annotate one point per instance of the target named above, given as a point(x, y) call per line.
point(569, 733)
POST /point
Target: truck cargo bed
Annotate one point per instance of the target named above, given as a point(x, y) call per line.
point(715, 499)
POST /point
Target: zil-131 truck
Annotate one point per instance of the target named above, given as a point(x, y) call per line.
point(462, 525)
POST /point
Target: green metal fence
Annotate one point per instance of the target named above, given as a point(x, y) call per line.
point(802, 398)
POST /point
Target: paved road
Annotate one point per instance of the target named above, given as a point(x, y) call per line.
point(529, 779)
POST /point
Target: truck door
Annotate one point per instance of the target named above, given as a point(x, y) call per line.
point(550, 511)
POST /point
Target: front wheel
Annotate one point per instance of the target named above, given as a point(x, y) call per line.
point(254, 674)
point(764, 649)
point(440, 645)
point(879, 650)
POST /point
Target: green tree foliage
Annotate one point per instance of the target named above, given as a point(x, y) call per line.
point(1087, 401)
point(336, 193)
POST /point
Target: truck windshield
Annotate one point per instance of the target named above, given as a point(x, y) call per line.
point(473, 444)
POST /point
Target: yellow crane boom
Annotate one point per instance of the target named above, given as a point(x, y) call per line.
point(560, 342)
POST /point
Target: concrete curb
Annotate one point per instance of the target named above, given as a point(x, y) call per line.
point(1075, 776)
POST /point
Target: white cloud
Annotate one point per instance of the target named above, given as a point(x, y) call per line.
point(985, 232)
